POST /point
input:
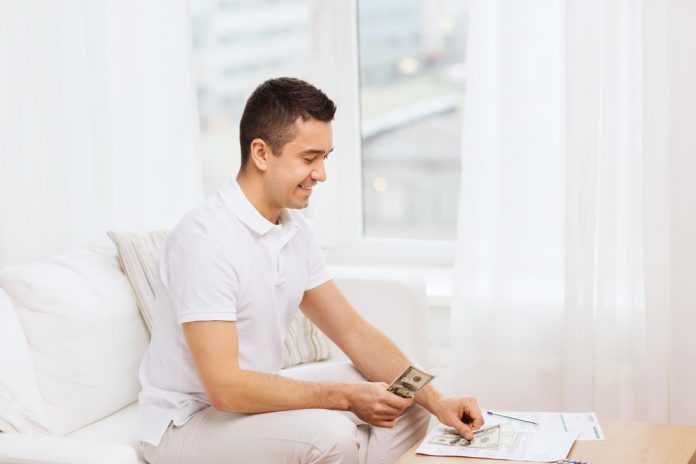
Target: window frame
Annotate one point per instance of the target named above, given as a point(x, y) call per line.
point(337, 210)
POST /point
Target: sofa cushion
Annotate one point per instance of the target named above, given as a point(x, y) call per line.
point(84, 332)
point(305, 343)
point(138, 255)
point(18, 448)
point(21, 407)
point(120, 427)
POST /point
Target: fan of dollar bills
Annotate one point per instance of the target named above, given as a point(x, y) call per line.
point(484, 438)
point(495, 436)
point(410, 381)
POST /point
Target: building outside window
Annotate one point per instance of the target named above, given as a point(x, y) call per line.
point(411, 55)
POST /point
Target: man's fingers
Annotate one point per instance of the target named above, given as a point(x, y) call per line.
point(475, 421)
point(387, 415)
point(387, 424)
point(398, 402)
point(463, 414)
point(465, 431)
point(475, 415)
point(386, 410)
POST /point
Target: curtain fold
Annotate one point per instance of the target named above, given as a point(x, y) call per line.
point(575, 263)
point(98, 125)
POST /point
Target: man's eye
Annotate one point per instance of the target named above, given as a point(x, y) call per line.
point(326, 156)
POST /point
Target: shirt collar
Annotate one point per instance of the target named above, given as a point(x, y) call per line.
point(250, 216)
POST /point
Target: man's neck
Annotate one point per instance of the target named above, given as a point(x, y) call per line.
point(254, 192)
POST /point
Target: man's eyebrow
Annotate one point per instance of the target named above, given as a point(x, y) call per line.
point(315, 151)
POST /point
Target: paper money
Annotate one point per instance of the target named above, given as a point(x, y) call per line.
point(409, 382)
point(487, 438)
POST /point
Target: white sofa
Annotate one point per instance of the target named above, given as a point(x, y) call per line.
point(71, 339)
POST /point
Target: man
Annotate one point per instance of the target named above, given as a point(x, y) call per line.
point(232, 273)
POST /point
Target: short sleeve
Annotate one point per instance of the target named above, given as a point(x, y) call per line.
point(318, 271)
point(201, 279)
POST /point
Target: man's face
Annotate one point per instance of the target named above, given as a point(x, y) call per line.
point(292, 174)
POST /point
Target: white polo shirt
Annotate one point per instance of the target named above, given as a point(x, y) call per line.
point(223, 262)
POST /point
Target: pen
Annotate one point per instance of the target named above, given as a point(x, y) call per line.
point(491, 413)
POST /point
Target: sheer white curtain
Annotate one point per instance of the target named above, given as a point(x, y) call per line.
point(575, 284)
point(98, 123)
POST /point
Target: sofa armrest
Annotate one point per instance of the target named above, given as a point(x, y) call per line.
point(40, 449)
point(395, 304)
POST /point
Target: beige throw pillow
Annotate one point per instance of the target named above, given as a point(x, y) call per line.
point(138, 255)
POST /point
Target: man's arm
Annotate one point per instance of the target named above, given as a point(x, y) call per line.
point(378, 358)
point(214, 347)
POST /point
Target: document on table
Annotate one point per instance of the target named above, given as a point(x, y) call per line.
point(584, 423)
point(509, 444)
point(513, 439)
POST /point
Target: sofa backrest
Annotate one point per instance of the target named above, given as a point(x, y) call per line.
point(86, 336)
point(84, 332)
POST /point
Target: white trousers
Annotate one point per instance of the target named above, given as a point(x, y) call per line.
point(302, 436)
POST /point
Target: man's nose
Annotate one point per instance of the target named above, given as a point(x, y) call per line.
point(319, 172)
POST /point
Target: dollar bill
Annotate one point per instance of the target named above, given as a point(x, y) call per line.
point(409, 382)
point(487, 438)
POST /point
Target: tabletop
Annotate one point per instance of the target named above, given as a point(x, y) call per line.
point(625, 442)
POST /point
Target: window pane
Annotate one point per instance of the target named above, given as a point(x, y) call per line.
point(412, 85)
point(237, 45)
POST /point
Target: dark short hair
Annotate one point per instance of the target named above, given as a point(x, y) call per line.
point(272, 109)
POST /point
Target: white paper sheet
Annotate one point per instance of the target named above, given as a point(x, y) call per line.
point(584, 423)
point(517, 445)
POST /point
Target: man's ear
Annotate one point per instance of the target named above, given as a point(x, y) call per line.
point(259, 153)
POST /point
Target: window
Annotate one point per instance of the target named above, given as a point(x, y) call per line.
point(237, 44)
point(411, 55)
point(395, 70)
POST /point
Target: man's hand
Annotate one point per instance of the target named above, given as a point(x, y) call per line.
point(463, 414)
point(371, 402)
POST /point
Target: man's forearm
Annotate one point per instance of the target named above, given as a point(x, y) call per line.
point(247, 391)
point(375, 355)
point(429, 398)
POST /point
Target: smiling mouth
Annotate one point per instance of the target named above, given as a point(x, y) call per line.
point(307, 190)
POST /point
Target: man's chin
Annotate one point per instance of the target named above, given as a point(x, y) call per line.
point(300, 204)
